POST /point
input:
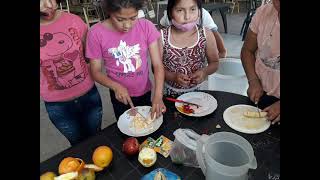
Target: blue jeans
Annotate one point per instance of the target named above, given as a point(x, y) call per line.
point(79, 118)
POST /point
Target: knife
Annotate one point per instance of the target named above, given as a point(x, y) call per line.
point(181, 101)
point(258, 109)
point(133, 109)
point(136, 111)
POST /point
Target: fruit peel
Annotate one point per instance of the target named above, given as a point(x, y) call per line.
point(67, 176)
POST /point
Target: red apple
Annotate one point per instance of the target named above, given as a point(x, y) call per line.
point(130, 146)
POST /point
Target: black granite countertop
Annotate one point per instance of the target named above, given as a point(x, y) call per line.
point(266, 145)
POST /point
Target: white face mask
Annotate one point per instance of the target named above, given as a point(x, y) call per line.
point(184, 27)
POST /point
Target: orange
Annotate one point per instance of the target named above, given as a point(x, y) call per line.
point(102, 156)
point(70, 164)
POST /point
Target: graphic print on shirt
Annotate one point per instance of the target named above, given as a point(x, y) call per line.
point(59, 61)
point(125, 54)
point(265, 54)
point(185, 60)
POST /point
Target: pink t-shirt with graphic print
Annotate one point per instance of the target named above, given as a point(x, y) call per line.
point(64, 74)
point(124, 54)
point(265, 23)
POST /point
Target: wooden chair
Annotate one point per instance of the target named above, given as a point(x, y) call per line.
point(98, 4)
point(91, 15)
point(87, 10)
point(233, 4)
point(64, 6)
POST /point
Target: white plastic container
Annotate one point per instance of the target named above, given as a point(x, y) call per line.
point(229, 77)
point(225, 156)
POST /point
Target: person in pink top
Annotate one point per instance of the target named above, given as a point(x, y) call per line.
point(260, 57)
point(71, 99)
point(122, 43)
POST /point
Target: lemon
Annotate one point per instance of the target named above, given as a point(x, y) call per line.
point(48, 176)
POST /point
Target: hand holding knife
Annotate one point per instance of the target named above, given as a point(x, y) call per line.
point(133, 109)
point(256, 103)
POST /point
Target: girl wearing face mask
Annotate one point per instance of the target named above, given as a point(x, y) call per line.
point(71, 99)
point(189, 50)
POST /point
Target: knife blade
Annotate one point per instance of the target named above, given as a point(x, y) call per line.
point(136, 111)
point(144, 118)
point(258, 109)
point(181, 101)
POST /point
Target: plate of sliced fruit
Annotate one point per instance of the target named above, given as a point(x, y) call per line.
point(246, 119)
point(199, 104)
point(133, 124)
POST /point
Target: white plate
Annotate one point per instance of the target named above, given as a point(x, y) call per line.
point(124, 123)
point(233, 116)
point(207, 102)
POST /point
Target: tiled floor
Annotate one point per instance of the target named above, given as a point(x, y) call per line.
point(52, 142)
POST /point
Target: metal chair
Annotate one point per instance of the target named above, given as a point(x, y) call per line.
point(247, 20)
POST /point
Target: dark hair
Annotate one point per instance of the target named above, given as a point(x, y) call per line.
point(111, 6)
point(172, 3)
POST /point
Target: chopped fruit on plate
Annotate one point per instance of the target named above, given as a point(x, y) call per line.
point(255, 114)
point(186, 109)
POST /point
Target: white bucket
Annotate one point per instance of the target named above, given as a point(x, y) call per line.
point(229, 77)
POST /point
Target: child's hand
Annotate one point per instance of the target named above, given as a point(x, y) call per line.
point(222, 54)
point(255, 90)
point(158, 107)
point(273, 112)
point(198, 77)
point(183, 79)
point(122, 95)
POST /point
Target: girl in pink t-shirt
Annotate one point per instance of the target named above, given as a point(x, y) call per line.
point(71, 99)
point(122, 44)
point(260, 57)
